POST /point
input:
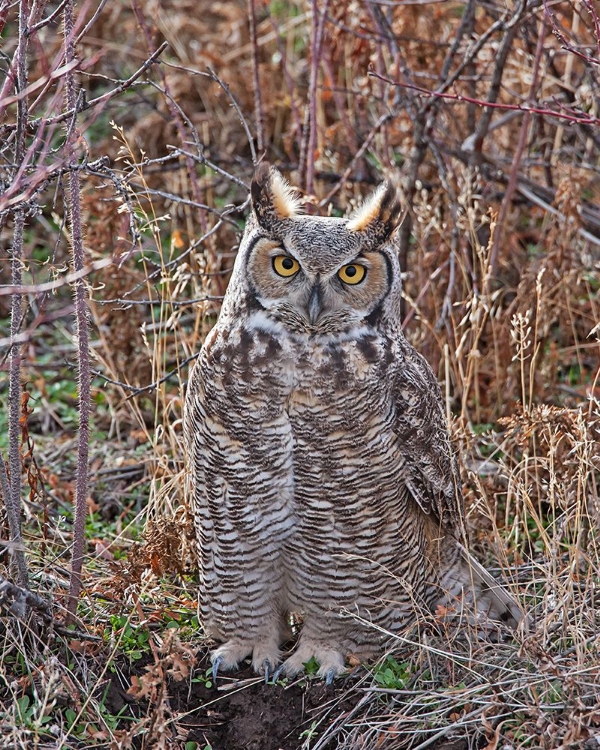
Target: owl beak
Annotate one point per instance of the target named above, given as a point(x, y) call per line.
point(314, 307)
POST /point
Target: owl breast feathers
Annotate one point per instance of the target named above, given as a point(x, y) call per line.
point(323, 480)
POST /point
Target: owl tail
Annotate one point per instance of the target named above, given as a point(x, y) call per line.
point(466, 581)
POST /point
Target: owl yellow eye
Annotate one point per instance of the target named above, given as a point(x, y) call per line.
point(352, 273)
point(285, 266)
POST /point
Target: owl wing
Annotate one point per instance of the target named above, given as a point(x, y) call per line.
point(433, 480)
point(420, 426)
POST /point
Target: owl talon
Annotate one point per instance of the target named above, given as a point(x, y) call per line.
point(266, 667)
point(215, 667)
point(330, 677)
point(278, 672)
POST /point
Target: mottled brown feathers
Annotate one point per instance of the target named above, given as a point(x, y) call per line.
point(323, 479)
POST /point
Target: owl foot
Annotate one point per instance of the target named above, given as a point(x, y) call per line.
point(265, 656)
point(228, 656)
point(331, 661)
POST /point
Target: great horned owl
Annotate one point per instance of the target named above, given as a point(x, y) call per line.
point(323, 479)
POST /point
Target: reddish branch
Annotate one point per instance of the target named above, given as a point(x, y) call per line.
point(570, 115)
point(561, 37)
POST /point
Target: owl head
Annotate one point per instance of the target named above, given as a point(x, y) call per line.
point(317, 275)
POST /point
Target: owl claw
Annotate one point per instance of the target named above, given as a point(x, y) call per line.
point(329, 676)
point(271, 670)
point(278, 672)
point(215, 667)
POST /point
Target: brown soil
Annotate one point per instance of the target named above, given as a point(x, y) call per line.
point(258, 716)
point(241, 713)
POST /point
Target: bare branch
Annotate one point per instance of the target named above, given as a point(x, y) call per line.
point(512, 182)
point(40, 83)
point(310, 137)
point(258, 110)
point(50, 286)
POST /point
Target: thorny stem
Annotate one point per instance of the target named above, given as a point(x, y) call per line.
point(13, 498)
point(13, 495)
point(82, 325)
point(15, 546)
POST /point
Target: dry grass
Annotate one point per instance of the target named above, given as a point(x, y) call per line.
point(501, 251)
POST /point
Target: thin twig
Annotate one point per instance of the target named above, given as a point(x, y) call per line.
point(258, 110)
point(48, 19)
point(447, 729)
point(514, 171)
point(151, 387)
point(238, 110)
point(318, 26)
point(358, 155)
point(179, 119)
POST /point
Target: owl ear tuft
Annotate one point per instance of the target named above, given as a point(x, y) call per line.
point(379, 215)
point(272, 197)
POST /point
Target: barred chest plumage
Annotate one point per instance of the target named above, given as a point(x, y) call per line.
point(319, 388)
point(325, 439)
point(319, 458)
